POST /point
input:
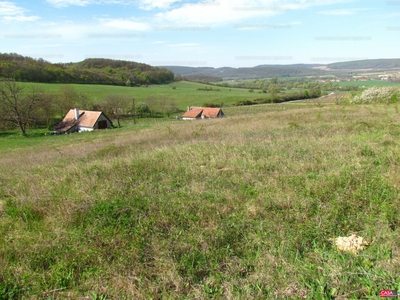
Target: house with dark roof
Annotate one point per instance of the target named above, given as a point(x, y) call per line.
point(194, 113)
point(82, 120)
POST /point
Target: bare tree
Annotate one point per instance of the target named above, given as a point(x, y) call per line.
point(117, 106)
point(68, 98)
point(17, 107)
point(168, 106)
point(154, 106)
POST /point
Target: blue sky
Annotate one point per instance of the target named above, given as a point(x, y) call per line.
point(202, 33)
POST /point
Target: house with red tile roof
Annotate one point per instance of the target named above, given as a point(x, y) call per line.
point(82, 120)
point(194, 113)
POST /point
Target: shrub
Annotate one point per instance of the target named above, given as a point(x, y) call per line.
point(377, 95)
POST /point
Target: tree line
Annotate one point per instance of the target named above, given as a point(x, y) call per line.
point(90, 71)
point(26, 107)
point(264, 85)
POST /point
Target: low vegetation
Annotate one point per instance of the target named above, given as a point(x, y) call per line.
point(244, 207)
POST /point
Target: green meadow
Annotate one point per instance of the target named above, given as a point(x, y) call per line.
point(368, 83)
point(183, 93)
point(244, 207)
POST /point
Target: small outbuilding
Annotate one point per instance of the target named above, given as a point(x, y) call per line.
point(82, 120)
point(194, 113)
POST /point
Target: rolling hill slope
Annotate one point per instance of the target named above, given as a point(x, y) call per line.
point(294, 70)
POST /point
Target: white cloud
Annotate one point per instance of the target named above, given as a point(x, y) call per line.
point(210, 13)
point(65, 3)
point(9, 9)
point(9, 12)
point(183, 45)
point(265, 26)
point(20, 18)
point(341, 12)
point(219, 12)
point(143, 4)
point(152, 4)
point(125, 24)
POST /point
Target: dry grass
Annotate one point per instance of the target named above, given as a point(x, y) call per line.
point(241, 207)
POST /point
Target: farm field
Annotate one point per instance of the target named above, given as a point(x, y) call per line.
point(368, 83)
point(184, 93)
point(243, 207)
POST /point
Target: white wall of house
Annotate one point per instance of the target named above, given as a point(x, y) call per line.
point(83, 128)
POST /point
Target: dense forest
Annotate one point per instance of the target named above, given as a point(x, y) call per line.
point(89, 71)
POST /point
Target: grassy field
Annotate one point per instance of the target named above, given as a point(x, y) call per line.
point(183, 93)
point(243, 207)
point(368, 83)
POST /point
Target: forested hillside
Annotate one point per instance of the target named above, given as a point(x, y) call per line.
point(262, 71)
point(286, 71)
point(89, 71)
point(383, 64)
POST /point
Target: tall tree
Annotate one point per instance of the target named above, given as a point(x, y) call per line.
point(18, 107)
point(274, 90)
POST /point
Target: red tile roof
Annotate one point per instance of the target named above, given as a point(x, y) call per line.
point(206, 112)
point(209, 112)
point(87, 118)
point(193, 113)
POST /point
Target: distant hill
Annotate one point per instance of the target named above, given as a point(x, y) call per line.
point(293, 70)
point(119, 72)
point(89, 71)
point(381, 64)
point(262, 71)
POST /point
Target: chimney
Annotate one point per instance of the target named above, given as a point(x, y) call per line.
point(76, 110)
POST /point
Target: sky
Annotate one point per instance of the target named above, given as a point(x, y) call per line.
point(202, 33)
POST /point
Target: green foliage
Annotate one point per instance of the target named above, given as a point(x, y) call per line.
point(89, 71)
point(281, 97)
point(207, 104)
point(199, 78)
point(9, 291)
point(142, 108)
point(386, 95)
point(208, 89)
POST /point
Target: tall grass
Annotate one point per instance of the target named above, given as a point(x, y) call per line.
point(238, 208)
